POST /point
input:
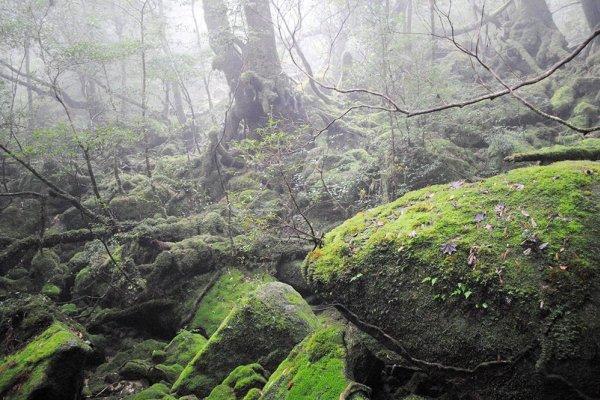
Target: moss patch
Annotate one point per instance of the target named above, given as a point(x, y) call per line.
point(33, 368)
point(313, 370)
point(229, 290)
point(587, 149)
point(239, 383)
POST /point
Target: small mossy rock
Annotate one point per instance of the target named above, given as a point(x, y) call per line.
point(158, 391)
point(109, 371)
point(231, 287)
point(290, 272)
point(239, 382)
point(45, 265)
point(184, 347)
point(166, 373)
point(253, 394)
point(262, 329)
point(135, 369)
point(51, 290)
point(584, 114)
point(315, 369)
point(563, 99)
point(467, 273)
point(50, 367)
point(134, 208)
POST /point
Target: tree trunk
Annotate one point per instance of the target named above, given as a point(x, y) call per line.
point(253, 71)
point(591, 9)
point(535, 39)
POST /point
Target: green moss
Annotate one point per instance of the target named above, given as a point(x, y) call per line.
point(313, 370)
point(184, 347)
point(29, 368)
point(168, 373)
point(239, 382)
point(135, 369)
point(458, 271)
point(261, 329)
point(51, 290)
point(563, 99)
point(228, 291)
point(587, 149)
point(133, 208)
point(584, 114)
point(155, 392)
point(253, 394)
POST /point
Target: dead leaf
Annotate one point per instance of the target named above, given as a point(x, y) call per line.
point(448, 248)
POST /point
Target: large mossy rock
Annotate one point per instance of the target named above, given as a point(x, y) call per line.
point(50, 367)
point(231, 287)
point(466, 273)
point(262, 329)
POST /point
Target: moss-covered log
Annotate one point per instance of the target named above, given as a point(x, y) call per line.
point(588, 149)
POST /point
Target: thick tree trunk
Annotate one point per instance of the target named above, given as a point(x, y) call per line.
point(535, 39)
point(253, 71)
point(591, 9)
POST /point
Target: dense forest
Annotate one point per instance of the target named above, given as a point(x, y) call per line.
point(300, 199)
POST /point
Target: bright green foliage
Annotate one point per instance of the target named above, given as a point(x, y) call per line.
point(587, 149)
point(262, 329)
point(313, 370)
point(227, 292)
point(459, 268)
point(27, 370)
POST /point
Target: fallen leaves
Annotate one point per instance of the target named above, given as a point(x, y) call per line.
point(448, 248)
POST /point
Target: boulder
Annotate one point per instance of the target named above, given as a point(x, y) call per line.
point(495, 282)
point(50, 367)
point(262, 329)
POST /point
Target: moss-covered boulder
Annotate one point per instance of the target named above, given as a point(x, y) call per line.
point(231, 287)
point(178, 353)
point(505, 269)
point(134, 207)
point(239, 383)
point(315, 369)
point(50, 367)
point(262, 329)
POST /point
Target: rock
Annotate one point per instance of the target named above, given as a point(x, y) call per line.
point(262, 329)
point(290, 272)
point(231, 287)
point(315, 369)
point(50, 367)
point(239, 383)
point(465, 273)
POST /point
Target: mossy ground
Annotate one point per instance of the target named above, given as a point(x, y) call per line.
point(487, 262)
